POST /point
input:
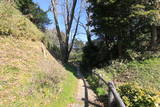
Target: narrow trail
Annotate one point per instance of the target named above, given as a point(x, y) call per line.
point(85, 97)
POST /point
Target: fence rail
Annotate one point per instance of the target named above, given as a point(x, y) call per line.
point(113, 96)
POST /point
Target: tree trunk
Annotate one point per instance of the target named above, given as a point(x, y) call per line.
point(89, 37)
point(64, 53)
point(158, 35)
point(64, 41)
point(120, 45)
point(119, 48)
point(153, 36)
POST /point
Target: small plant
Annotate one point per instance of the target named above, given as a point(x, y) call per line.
point(135, 96)
point(101, 91)
point(93, 81)
point(11, 69)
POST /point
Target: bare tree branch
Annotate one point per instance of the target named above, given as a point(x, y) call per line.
point(68, 13)
point(75, 33)
point(72, 15)
point(53, 2)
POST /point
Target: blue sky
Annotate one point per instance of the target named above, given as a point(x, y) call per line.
point(44, 4)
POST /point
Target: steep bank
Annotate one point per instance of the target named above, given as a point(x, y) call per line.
point(29, 75)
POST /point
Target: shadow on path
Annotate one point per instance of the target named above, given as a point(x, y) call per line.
point(86, 99)
point(86, 89)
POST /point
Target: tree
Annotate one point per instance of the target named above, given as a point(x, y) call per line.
point(33, 12)
point(68, 10)
point(50, 40)
point(122, 23)
point(78, 45)
point(155, 23)
point(85, 25)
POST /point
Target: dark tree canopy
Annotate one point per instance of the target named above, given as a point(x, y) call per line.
point(33, 12)
point(123, 25)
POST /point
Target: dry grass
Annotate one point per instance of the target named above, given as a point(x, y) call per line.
point(13, 23)
point(29, 75)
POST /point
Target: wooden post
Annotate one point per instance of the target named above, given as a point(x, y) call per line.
point(110, 98)
point(113, 96)
point(116, 95)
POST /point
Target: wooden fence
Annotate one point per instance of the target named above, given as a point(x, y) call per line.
point(113, 96)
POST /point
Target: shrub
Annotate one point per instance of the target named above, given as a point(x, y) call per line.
point(100, 91)
point(135, 96)
point(89, 60)
point(13, 23)
point(51, 42)
point(47, 80)
point(116, 67)
point(93, 81)
point(98, 86)
point(132, 54)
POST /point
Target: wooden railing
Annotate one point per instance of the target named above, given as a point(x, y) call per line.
point(113, 96)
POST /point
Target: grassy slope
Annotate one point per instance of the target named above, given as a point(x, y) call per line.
point(67, 95)
point(30, 76)
point(145, 73)
point(15, 24)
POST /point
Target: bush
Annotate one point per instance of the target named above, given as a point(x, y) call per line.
point(134, 96)
point(13, 23)
point(93, 81)
point(100, 91)
point(116, 67)
point(98, 86)
point(52, 48)
point(134, 55)
point(50, 40)
point(90, 53)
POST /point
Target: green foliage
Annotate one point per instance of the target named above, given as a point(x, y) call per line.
point(116, 67)
point(150, 55)
point(89, 56)
point(100, 91)
point(95, 56)
point(51, 42)
point(13, 23)
point(77, 52)
point(124, 27)
point(145, 73)
point(11, 69)
point(93, 81)
point(140, 56)
point(33, 12)
point(133, 54)
point(46, 80)
point(67, 95)
point(98, 87)
point(76, 56)
point(30, 79)
point(78, 45)
point(134, 96)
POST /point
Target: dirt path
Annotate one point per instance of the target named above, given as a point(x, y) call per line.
point(85, 96)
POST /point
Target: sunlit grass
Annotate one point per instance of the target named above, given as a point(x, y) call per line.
point(30, 79)
point(67, 95)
